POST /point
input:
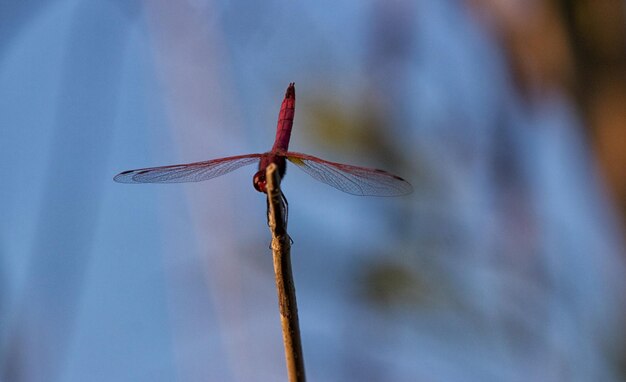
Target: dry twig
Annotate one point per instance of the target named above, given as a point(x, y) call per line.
point(281, 246)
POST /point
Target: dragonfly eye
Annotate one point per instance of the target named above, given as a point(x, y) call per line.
point(259, 181)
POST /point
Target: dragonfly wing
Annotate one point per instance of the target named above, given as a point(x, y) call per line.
point(190, 172)
point(351, 179)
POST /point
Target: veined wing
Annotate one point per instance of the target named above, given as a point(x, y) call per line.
point(190, 172)
point(351, 179)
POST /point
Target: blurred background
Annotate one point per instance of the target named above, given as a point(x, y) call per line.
point(505, 264)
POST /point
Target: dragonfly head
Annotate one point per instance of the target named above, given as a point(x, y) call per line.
point(259, 181)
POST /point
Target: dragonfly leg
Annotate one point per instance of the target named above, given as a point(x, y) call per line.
point(285, 207)
point(267, 202)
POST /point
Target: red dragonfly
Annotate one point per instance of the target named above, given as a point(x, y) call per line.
point(351, 179)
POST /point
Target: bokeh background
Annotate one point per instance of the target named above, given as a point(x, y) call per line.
point(505, 264)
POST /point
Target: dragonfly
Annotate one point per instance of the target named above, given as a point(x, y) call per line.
point(354, 180)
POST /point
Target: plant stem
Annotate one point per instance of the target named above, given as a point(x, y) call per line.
point(281, 246)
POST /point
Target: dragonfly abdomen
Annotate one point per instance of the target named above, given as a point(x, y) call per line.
point(285, 119)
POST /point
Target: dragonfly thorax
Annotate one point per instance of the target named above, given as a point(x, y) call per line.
point(276, 158)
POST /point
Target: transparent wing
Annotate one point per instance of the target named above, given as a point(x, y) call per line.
point(351, 179)
point(190, 172)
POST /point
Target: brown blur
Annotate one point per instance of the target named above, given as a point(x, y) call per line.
point(575, 47)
